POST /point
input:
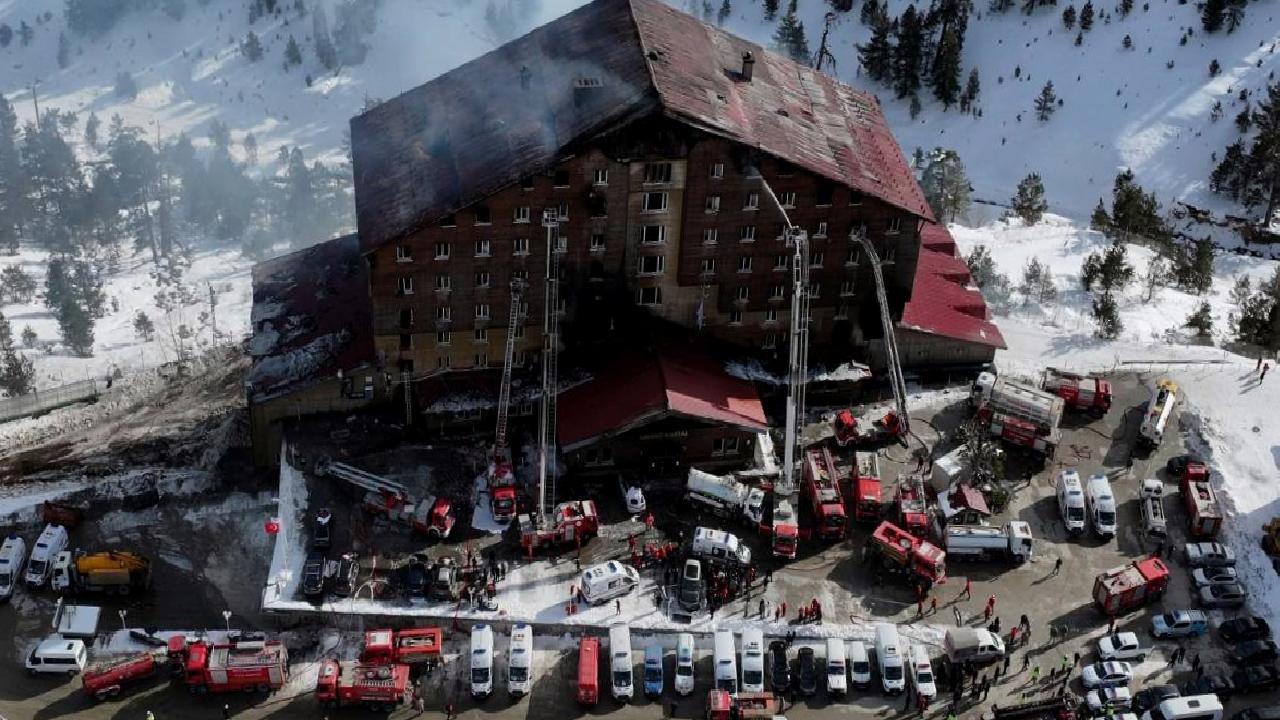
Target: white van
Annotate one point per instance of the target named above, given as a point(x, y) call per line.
point(837, 681)
point(889, 655)
point(922, 672)
point(52, 541)
point(1071, 501)
point(684, 663)
point(620, 662)
point(1102, 505)
point(720, 545)
point(13, 553)
point(520, 661)
point(481, 661)
point(1188, 707)
point(859, 664)
point(726, 663)
point(753, 660)
point(57, 655)
point(607, 581)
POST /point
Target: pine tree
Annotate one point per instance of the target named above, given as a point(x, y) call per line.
point(1032, 273)
point(1107, 317)
point(1069, 17)
point(1046, 103)
point(250, 144)
point(1029, 203)
point(770, 10)
point(1079, 38)
point(726, 10)
point(945, 185)
point(17, 374)
point(1157, 274)
point(1214, 68)
point(29, 338)
point(1213, 15)
point(1250, 168)
point(25, 33)
point(1243, 120)
point(870, 12)
point(876, 55)
point(972, 90)
point(914, 108)
point(13, 180)
point(325, 51)
point(64, 51)
point(1135, 214)
point(91, 126)
point(1086, 16)
point(16, 286)
point(1127, 42)
point(1195, 268)
point(292, 54)
point(1124, 8)
point(143, 327)
point(1235, 14)
point(251, 48)
point(1001, 6)
point(76, 327)
point(946, 69)
point(908, 55)
point(790, 39)
point(1201, 320)
point(1047, 292)
point(6, 35)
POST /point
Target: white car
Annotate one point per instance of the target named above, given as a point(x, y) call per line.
point(1122, 646)
point(1210, 555)
point(1116, 698)
point(1201, 577)
point(1106, 674)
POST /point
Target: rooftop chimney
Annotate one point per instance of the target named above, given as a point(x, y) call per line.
point(748, 65)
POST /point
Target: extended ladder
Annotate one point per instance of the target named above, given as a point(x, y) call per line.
point(550, 350)
point(501, 453)
point(890, 338)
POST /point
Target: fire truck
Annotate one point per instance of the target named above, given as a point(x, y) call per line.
point(380, 687)
point(107, 679)
point(866, 487)
point(502, 491)
point(785, 530)
point(822, 488)
point(722, 705)
point(923, 562)
point(1202, 506)
point(411, 646)
point(1130, 586)
point(570, 522)
point(982, 542)
point(913, 505)
point(1086, 393)
point(1164, 397)
point(869, 429)
point(242, 666)
point(431, 516)
point(1018, 414)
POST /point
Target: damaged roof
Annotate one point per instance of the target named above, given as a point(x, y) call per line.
point(519, 109)
point(640, 387)
point(311, 317)
point(944, 300)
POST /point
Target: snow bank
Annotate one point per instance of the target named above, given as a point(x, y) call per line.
point(481, 518)
point(291, 548)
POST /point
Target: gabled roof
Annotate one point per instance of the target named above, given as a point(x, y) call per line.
point(520, 108)
point(640, 387)
point(944, 300)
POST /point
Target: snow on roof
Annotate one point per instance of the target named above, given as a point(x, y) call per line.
point(944, 300)
point(311, 316)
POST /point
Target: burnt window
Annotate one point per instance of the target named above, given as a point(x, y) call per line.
point(449, 220)
point(526, 183)
point(561, 178)
point(855, 198)
point(657, 172)
point(598, 205)
point(406, 318)
point(482, 215)
point(823, 195)
point(406, 366)
point(406, 341)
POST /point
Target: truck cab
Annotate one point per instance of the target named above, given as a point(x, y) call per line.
point(53, 540)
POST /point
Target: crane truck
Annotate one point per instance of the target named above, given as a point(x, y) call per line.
point(1084, 393)
point(1164, 397)
point(1018, 414)
point(867, 498)
point(567, 524)
point(114, 572)
point(982, 542)
point(382, 686)
point(240, 666)
point(922, 562)
point(822, 488)
point(431, 515)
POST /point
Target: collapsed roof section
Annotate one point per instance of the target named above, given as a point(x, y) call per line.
point(944, 300)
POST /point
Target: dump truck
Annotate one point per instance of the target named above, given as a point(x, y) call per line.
point(822, 489)
point(240, 666)
point(899, 551)
point(106, 680)
point(569, 523)
point(1012, 542)
point(380, 687)
point(1018, 414)
point(867, 499)
point(1130, 586)
point(411, 647)
point(1203, 512)
point(1159, 410)
point(111, 571)
point(725, 497)
point(1084, 393)
point(874, 427)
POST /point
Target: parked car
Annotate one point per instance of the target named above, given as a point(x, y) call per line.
point(313, 574)
point(1147, 698)
point(415, 578)
point(1179, 623)
point(1178, 464)
point(1256, 678)
point(347, 578)
point(1244, 628)
point(808, 672)
point(1253, 652)
point(779, 667)
point(1201, 577)
point(1115, 698)
point(692, 587)
point(1106, 674)
point(1209, 554)
point(1211, 683)
point(1122, 646)
point(1266, 712)
point(1223, 596)
point(322, 530)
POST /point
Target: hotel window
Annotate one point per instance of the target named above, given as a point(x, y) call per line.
point(895, 226)
point(744, 263)
point(821, 232)
point(717, 171)
point(482, 279)
point(752, 202)
point(650, 296)
point(520, 275)
point(823, 195)
point(653, 202)
point(771, 315)
point(724, 446)
point(653, 234)
point(652, 264)
point(560, 178)
point(777, 291)
point(601, 177)
point(444, 283)
point(482, 360)
point(855, 198)
point(748, 234)
point(444, 313)
point(735, 317)
point(781, 262)
point(708, 266)
point(713, 203)
point(709, 236)
point(788, 199)
point(846, 287)
point(816, 258)
point(520, 246)
point(597, 242)
point(480, 335)
point(442, 251)
point(770, 341)
point(851, 258)
point(526, 182)
point(482, 248)
point(743, 293)
point(404, 253)
point(442, 337)
point(842, 310)
point(482, 311)
point(815, 289)
point(522, 214)
point(520, 328)
point(449, 220)
point(657, 172)
point(442, 362)
point(562, 212)
point(404, 285)
point(406, 318)
point(482, 215)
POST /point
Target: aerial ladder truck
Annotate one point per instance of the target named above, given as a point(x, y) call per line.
point(432, 515)
point(502, 479)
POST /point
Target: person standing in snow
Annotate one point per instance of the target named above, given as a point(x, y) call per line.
point(1265, 368)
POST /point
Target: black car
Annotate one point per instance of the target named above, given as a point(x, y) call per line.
point(692, 590)
point(1256, 678)
point(347, 578)
point(313, 575)
point(1245, 628)
point(1211, 683)
point(779, 667)
point(1147, 698)
point(1254, 652)
point(322, 530)
point(808, 672)
point(1178, 463)
point(1266, 712)
point(415, 579)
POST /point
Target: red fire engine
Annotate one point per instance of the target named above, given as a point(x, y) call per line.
point(822, 488)
point(1202, 505)
point(502, 491)
point(921, 560)
point(569, 523)
point(1130, 586)
point(412, 646)
point(866, 488)
point(380, 687)
point(913, 506)
point(1080, 392)
point(866, 430)
point(105, 680)
point(243, 666)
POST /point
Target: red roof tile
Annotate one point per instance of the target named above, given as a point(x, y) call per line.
point(639, 387)
point(943, 299)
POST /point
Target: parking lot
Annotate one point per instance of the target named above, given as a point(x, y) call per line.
point(850, 597)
